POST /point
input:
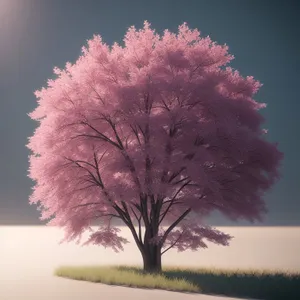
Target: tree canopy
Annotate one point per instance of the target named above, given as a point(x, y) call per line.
point(158, 132)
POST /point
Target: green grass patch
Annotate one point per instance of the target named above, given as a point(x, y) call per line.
point(254, 284)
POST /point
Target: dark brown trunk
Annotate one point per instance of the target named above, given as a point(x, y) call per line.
point(152, 259)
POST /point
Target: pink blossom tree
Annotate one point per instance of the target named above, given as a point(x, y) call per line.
point(157, 133)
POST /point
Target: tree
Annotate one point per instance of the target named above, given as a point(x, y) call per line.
point(157, 133)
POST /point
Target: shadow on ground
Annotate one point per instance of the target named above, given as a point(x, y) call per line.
point(264, 286)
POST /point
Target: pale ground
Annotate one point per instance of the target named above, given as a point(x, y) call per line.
point(29, 255)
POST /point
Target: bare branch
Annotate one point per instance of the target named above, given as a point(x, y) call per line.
point(172, 201)
point(97, 164)
point(174, 175)
point(122, 214)
point(98, 95)
point(143, 209)
point(127, 220)
point(139, 223)
point(85, 187)
point(173, 244)
point(142, 131)
point(159, 106)
point(125, 154)
point(135, 131)
point(181, 180)
point(95, 137)
point(81, 161)
point(101, 135)
point(99, 183)
point(174, 225)
point(107, 215)
point(175, 202)
point(113, 126)
point(86, 204)
point(165, 104)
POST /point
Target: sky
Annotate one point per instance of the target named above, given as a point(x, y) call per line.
point(36, 35)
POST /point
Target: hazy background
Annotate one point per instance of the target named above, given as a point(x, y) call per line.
point(35, 251)
point(36, 35)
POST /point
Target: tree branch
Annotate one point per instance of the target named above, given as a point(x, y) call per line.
point(181, 180)
point(98, 95)
point(139, 223)
point(86, 204)
point(98, 182)
point(125, 154)
point(174, 225)
point(173, 244)
point(95, 137)
point(135, 131)
point(128, 222)
point(107, 215)
point(172, 201)
point(97, 163)
point(174, 175)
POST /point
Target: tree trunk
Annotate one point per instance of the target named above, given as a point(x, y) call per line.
point(152, 258)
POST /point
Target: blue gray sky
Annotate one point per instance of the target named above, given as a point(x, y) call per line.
point(36, 35)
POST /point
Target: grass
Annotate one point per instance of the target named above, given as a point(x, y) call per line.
point(126, 276)
point(254, 284)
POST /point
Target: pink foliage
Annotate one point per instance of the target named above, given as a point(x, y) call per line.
point(161, 116)
point(192, 236)
point(108, 237)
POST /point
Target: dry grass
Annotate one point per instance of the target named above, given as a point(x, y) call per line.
point(255, 284)
point(127, 277)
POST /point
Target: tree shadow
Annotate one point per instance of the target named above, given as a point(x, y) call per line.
point(277, 286)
